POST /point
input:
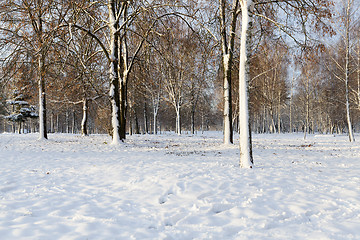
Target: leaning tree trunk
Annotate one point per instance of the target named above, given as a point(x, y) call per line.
point(246, 160)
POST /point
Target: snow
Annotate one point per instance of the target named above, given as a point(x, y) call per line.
point(11, 102)
point(178, 187)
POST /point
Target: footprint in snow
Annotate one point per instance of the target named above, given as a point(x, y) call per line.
point(181, 186)
point(174, 190)
point(219, 208)
point(224, 186)
point(172, 220)
point(164, 198)
point(205, 195)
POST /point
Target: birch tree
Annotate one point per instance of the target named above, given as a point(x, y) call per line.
point(246, 159)
point(340, 55)
point(346, 37)
point(301, 9)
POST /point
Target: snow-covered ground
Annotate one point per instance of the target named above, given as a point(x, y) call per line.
point(170, 187)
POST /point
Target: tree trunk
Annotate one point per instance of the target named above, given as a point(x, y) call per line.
point(42, 97)
point(347, 73)
point(246, 160)
point(279, 114)
point(124, 74)
point(19, 127)
point(130, 121)
point(358, 74)
point(73, 126)
point(202, 123)
point(193, 120)
point(290, 105)
point(155, 121)
point(137, 129)
point(41, 79)
point(115, 105)
point(227, 53)
point(146, 124)
point(52, 124)
point(178, 121)
point(264, 120)
point(67, 121)
point(272, 126)
point(114, 76)
point(84, 131)
point(228, 131)
point(123, 107)
point(57, 123)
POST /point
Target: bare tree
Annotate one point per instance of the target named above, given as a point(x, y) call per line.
point(33, 25)
point(343, 64)
point(301, 9)
point(227, 48)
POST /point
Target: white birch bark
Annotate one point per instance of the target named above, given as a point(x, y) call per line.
point(84, 119)
point(114, 77)
point(155, 122)
point(41, 72)
point(227, 102)
point(155, 111)
point(178, 120)
point(245, 144)
point(347, 71)
point(42, 101)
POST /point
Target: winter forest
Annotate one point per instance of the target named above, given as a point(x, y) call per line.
point(130, 67)
point(272, 85)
